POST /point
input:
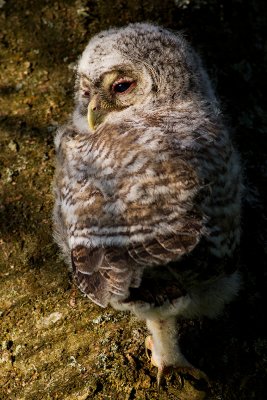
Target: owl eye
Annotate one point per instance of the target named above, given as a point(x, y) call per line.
point(123, 86)
point(86, 93)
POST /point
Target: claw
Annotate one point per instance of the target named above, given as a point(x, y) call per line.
point(148, 345)
point(163, 370)
point(196, 373)
point(160, 374)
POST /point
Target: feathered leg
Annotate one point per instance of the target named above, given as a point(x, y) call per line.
point(166, 353)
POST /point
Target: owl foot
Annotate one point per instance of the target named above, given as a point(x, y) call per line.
point(187, 372)
point(162, 369)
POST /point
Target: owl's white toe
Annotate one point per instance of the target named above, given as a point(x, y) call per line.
point(181, 366)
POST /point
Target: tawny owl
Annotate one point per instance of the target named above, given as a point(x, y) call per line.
point(147, 185)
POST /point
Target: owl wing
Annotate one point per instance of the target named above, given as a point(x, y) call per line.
point(99, 273)
point(164, 249)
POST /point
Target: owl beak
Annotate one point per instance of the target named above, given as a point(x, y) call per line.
point(95, 115)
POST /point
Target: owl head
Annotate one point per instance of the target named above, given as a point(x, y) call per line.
point(138, 67)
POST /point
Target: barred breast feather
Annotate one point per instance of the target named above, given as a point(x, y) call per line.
point(133, 202)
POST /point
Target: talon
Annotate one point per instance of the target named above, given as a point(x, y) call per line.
point(160, 374)
point(148, 345)
point(162, 369)
point(196, 373)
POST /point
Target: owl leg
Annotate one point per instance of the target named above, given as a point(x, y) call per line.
point(166, 354)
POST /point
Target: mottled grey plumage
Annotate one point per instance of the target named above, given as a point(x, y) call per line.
point(147, 185)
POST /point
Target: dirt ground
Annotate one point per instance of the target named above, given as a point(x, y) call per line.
point(55, 344)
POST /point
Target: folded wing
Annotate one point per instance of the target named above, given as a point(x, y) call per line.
point(139, 269)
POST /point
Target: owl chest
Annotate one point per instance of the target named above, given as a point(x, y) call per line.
point(124, 184)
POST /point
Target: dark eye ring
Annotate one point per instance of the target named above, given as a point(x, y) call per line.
point(123, 86)
point(86, 93)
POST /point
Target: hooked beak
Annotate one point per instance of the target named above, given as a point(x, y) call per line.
point(95, 114)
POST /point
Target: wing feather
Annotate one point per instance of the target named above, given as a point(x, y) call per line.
point(94, 287)
point(99, 272)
